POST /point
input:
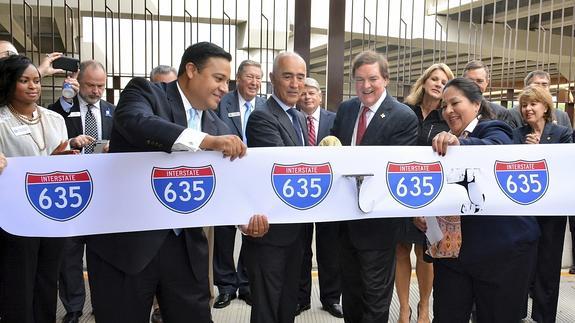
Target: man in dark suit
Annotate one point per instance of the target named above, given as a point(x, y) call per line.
point(319, 123)
point(367, 253)
point(543, 79)
point(88, 119)
point(127, 269)
point(235, 109)
point(478, 72)
point(274, 261)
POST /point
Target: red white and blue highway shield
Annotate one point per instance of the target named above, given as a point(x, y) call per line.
point(524, 182)
point(59, 196)
point(184, 189)
point(414, 184)
point(302, 186)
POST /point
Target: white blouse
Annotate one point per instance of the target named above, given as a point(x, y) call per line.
point(19, 139)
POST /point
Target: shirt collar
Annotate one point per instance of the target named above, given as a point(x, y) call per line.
point(84, 104)
point(471, 126)
point(243, 101)
point(283, 105)
point(315, 114)
point(187, 105)
point(377, 104)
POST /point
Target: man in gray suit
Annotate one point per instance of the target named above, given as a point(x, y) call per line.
point(543, 79)
point(235, 109)
point(478, 72)
point(319, 123)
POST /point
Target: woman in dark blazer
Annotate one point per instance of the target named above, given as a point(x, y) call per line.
point(537, 112)
point(492, 268)
point(425, 100)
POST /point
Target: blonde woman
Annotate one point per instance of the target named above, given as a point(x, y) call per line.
point(425, 100)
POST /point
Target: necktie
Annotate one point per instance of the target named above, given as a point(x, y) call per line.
point(295, 122)
point(90, 129)
point(311, 131)
point(194, 120)
point(247, 113)
point(361, 126)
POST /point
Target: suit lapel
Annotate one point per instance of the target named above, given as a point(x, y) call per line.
point(209, 123)
point(76, 122)
point(283, 119)
point(178, 110)
point(378, 120)
point(323, 130)
point(106, 117)
point(547, 134)
point(234, 106)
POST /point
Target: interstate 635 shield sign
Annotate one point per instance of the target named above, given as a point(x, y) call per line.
point(184, 189)
point(302, 186)
point(59, 196)
point(524, 182)
point(414, 184)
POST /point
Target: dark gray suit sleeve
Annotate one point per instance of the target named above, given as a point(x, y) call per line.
point(261, 131)
point(137, 118)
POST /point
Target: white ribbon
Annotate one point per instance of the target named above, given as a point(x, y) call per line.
point(123, 197)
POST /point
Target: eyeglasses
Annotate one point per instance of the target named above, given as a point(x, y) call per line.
point(7, 53)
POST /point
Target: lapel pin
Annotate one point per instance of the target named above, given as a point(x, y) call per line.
point(382, 115)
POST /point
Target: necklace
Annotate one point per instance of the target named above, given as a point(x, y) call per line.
point(24, 120)
point(27, 120)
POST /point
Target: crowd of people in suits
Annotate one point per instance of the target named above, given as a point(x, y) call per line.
point(359, 262)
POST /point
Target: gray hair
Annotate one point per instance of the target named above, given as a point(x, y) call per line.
point(311, 82)
point(162, 69)
point(89, 64)
point(248, 62)
point(286, 54)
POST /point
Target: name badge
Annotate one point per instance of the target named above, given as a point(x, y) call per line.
point(234, 114)
point(21, 130)
point(74, 114)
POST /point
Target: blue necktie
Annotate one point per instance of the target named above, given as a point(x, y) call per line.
point(193, 123)
point(247, 113)
point(295, 121)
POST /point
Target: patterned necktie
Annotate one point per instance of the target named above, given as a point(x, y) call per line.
point(90, 129)
point(295, 122)
point(361, 125)
point(247, 113)
point(311, 131)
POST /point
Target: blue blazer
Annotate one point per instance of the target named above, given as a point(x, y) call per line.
point(150, 117)
point(394, 124)
point(552, 134)
point(494, 238)
point(326, 120)
point(230, 105)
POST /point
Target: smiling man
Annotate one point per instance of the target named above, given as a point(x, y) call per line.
point(273, 262)
point(127, 269)
point(367, 256)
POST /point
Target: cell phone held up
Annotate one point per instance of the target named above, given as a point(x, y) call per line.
point(65, 63)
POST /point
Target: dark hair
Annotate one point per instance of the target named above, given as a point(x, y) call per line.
point(537, 73)
point(199, 53)
point(473, 93)
point(11, 69)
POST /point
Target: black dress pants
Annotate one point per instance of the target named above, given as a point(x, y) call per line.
point(71, 287)
point(367, 278)
point(29, 278)
point(547, 270)
point(227, 278)
point(327, 256)
point(497, 287)
point(274, 273)
point(123, 297)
